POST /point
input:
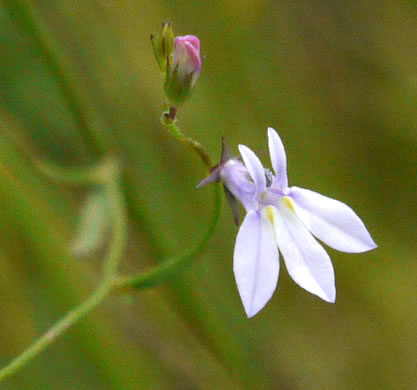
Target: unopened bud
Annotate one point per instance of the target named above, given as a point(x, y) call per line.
point(163, 45)
point(184, 70)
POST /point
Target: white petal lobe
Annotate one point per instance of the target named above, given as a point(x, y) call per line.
point(333, 222)
point(255, 168)
point(278, 159)
point(255, 262)
point(306, 260)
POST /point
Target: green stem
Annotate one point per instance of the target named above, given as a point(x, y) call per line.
point(58, 329)
point(172, 265)
point(181, 137)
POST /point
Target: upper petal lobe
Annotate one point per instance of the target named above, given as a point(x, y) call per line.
point(278, 159)
point(255, 168)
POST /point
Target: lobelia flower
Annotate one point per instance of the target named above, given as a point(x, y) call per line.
point(284, 218)
point(183, 73)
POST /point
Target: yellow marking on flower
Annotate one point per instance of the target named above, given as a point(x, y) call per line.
point(289, 203)
point(269, 211)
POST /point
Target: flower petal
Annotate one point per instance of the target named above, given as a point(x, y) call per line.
point(278, 159)
point(255, 168)
point(256, 263)
point(306, 260)
point(333, 222)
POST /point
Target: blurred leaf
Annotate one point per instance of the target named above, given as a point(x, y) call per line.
point(94, 223)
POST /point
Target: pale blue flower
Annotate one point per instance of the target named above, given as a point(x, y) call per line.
point(285, 218)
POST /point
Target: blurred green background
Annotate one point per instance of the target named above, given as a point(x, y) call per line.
point(337, 79)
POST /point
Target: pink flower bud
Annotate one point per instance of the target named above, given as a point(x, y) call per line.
point(187, 56)
point(184, 70)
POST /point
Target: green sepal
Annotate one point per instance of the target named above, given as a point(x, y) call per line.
point(163, 46)
point(178, 89)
